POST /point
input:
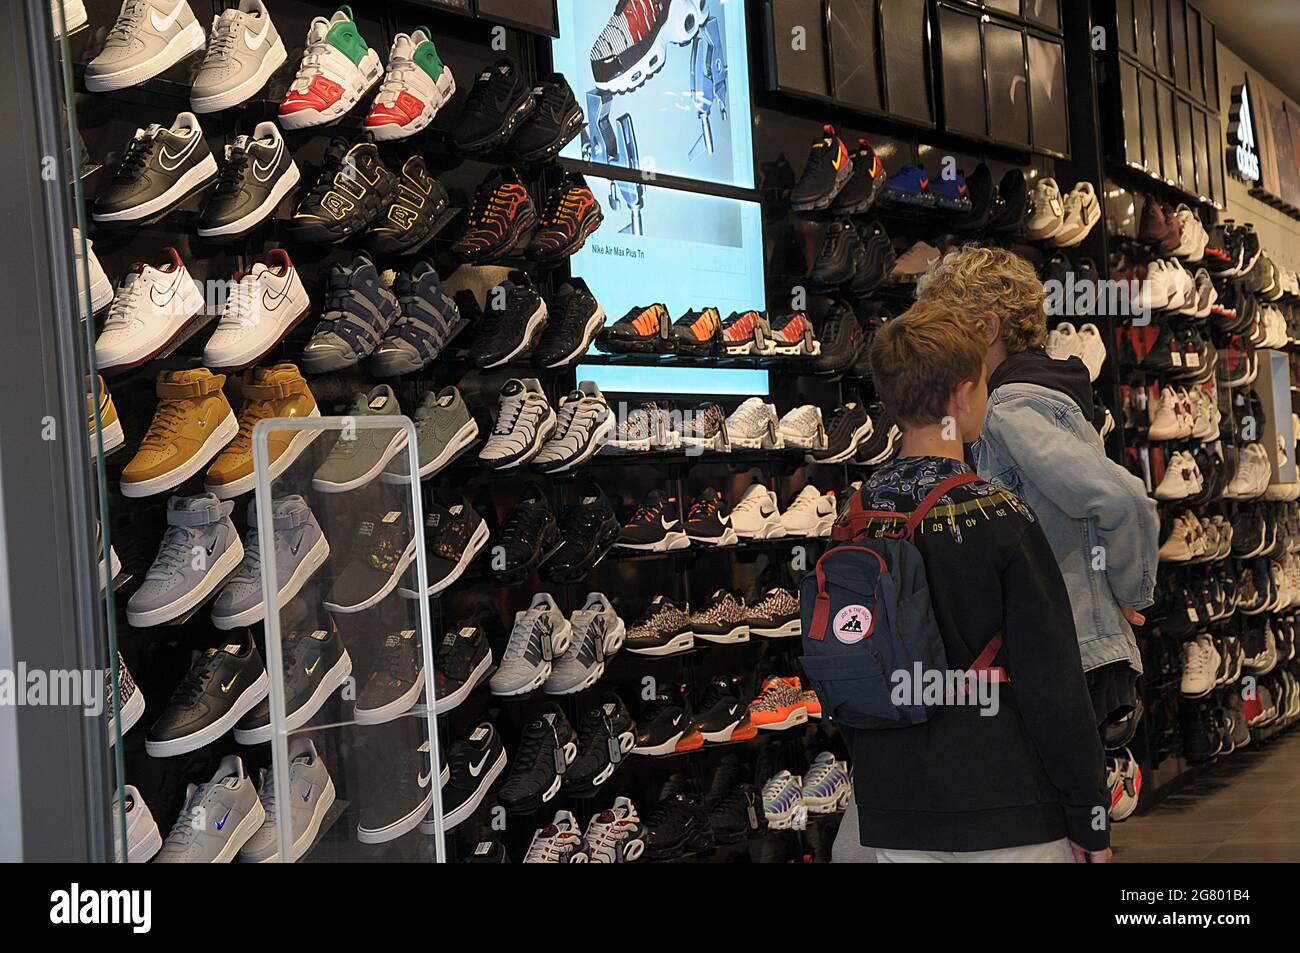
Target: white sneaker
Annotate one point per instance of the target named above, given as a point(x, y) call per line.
point(143, 839)
point(71, 13)
point(754, 425)
point(756, 516)
point(803, 428)
point(1158, 288)
point(153, 305)
point(1063, 343)
point(1167, 422)
point(583, 423)
point(1205, 415)
point(1082, 213)
point(417, 84)
point(1092, 349)
point(811, 513)
point(1178, 547)
point(244, 50)
point(101, 289)
point(264, 305)
point(330, 81)
point(524, 422)
point(1201, 663)
point(1181, 478)
point(541, 634)
point(1047, 212)
point(1252, 476)
point(1191, 246)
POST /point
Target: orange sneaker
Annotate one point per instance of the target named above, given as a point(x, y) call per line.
point(191, 425)
point(779, 705)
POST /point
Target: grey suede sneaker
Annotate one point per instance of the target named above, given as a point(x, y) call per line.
point(244, 49)
point(311, 795)
point(218, 818)
point(148, 38)
point(443, 430)
point(361, 454)
point(300, 550)
point(199, 550)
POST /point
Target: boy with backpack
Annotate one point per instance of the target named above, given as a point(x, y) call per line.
point(940, 573)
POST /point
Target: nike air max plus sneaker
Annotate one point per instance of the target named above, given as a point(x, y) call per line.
point(524, 422)
point(416, 85)
point(263, 306)
point(646, 427)
point(244, 50)
point(154, 305)
point(547, 746)
point(590, 529)
point(827, 171)
point(300, 549)
point(655, 526)
point(792, 335)
point(640, 331)
point(606, 735)
point(161, 168)
point(570, 216)
point(695, 332)
point(540, 635)
point(258, 172)
point(745, 332)
point(574, 320)
point(583, 423)
point(529, 536)
point(515, 317)
point(337, 69)
point(616, 835)
point(802, 428)
point(359, 309)
point(662, 629)
point(428, 320)
point(218, 818)
point(559, 842)
point(598, 633)
point(498, 102)
point(222, 685)
point(754, 425)
point(633, 45)
point(705, 428)
point(311, 795)
point(148, 37)
point(499, 219)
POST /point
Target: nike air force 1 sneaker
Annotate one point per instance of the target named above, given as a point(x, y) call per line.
point(199, 549)
point(258, 173)
point(153, 306)
point(218, 818)
point(161, 168)
point(222, 685)
point(192, 423)
point(148, 38)
point(311, 795)
point(263, 306)
point(275, 391)
point(244, 49)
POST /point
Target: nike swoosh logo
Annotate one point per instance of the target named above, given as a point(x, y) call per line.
point(310, 788)
point(677, 720)
point(222, 823)
point(423, 780)
point(296, 546)
point(225, 689)
point(163, 24)
point(261, 37)
point(169, 291)
point(313, 665)
point(258, 168)
point(176, 159)
point(268, 296)
point(476, 769)
point(667, 524)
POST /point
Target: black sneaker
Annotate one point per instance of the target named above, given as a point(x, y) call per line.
point(571, 214)
point(499, 219)
point(735, 806)
point(222, 685)
point(555, 120)
point(514, 318)
point(529, 536)
point(774, 614)
point(842, 337)
point(381, 554)
point(475, 763)
point(453, 536)
point(655, 526)
point(708, 520)
point(487, 850)
point(547, 747)
point(397, 682)
point(462, 663)
point(1011, 205)
point(640, 331)
point(359, 310)
point(695, 332)
point(981, 194)
point(840, 257)
point(315, 663)
point(606, 735)
point(848, 427)
point(720, 711)
point(590, 528)
point(429, 319)
point(722, 620)
point(827, 172)
point(408, 220)
point(868, 176)
point(882, 443)
point(161, 168)
point(664, 727)
point(878, 260)
point(1201, 738)
point(499, 101)
point(258, 173)
point(398, 795)
point(575, 319)
point(351, 191)
point(663, 628)
point(678, 825)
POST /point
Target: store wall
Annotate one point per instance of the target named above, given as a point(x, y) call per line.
point(1279, 232)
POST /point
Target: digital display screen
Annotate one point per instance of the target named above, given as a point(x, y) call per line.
point(664, 84)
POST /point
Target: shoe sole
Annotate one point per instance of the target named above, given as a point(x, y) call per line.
point(390, 711)
point(112, 439)
point(594, 324)
point(574, 123)
point(308, 837)
point(737, 635)
point(131, 713)
point(408, 556)
point(272, 61)
point(233, 365)
point(861, 434)
point(246, 701)
point(334, 678)
point(772, 529)
point(192, 181)
point(108, 369)
point(311, 562)
point(681, 642)
point(396, 444)
point(190, 40)
point(466, 810)
point(783, 631)
point(225, 432)
point(591, 678)
point(251, 220)
point(536, 321)
point(675, 540)
point(728, 538)
point(595, 441)
point(472, 549)
point(462, 441)
point(403, 825)
point(300, 442)
point(476, 678)
point(537, 681)
point(392, 132)
point(798, 716)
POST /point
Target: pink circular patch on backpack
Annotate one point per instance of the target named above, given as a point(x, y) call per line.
point(852, 624)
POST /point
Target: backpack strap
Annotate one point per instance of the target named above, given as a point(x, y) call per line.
point(856, 518)
point(984, 663)
point(822, 606)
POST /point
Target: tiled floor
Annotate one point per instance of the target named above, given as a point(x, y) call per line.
point(1247, 809)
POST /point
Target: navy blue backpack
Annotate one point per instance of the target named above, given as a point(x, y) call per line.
point(867, 615)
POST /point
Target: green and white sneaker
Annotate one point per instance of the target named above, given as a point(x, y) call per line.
point(418, 83)
point(360, 454)
point(444, 429)
point(338, 68)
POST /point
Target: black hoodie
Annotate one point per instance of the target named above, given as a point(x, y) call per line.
point(1068, 377)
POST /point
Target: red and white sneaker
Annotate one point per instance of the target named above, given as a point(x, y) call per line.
point(337, 69)
point(418, 83)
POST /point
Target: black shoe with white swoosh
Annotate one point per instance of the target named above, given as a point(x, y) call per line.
point(398, 795)
point(258, 173)
point(161, 168)
point(656, 526)
point(720, 711)
point(476, 762)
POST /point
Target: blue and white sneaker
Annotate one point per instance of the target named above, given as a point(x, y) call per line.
point(910, 185)
point(199, 549)
point(827, 785)
point(429, 320)
point(358, 311)
point(782, 800)
point(300, 550)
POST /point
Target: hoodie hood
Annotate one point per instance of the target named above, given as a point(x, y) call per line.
point(1068, 377)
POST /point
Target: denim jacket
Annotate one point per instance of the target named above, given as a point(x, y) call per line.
point(1100, 522)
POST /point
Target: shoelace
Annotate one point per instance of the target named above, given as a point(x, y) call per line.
point(137, 155)
point(553, 102)
point(777, 786)
point(511, 409)
point(593, 730)
point(337, 295)
point(543, 848)
point(312, 64)
point(647, 512)
point(241, 305)
point(123, 307)
point(803, 503)
point(751, 502)
point(488, 207)
point(399, 68)
point(191, 687)
point(579, 413)
point(829, 242)
point(188, 822)
point(232, 173)
point(532, 747)
point(534, 623)
point(167, 422)
point(332, 165)
point(222, 40)
point(393, 660)
point(563, 206)
point(702, 509)
point(124, 26)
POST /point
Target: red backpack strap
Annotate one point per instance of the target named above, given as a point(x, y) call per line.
point(855, 518)
point(934, 496)
point(984, 661)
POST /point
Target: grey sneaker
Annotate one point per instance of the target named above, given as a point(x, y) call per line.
point(360, 455)
point(443, 430)
point(583, 423)
point(143, 839)
point(541, 634)
point(311, 794)
point(218, 818)
point(300, 549)
point(524, 422)
point(199, 550)
point(598, 633)
point(244, 49)
point(148, 38)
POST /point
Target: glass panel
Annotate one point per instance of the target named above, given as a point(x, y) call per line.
point(1047, 94)
point(1210, 64)
point(1160, 26)
point(801, 69)
point(1046, 12)
point(1200, 129)
point(353, 745)
point(1127, 35)
point(1196, 74)
point(1178, 44)
point(1150, 124)
point(1168, 135)
point(854, 53)
point(1145, 49)
point(907, 81)
point(1004, 51)
point(1132, 109)
point(1186, 149)
point(964, 106)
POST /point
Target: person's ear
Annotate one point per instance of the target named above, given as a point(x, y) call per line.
point(960, 404)
point(992, 329)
